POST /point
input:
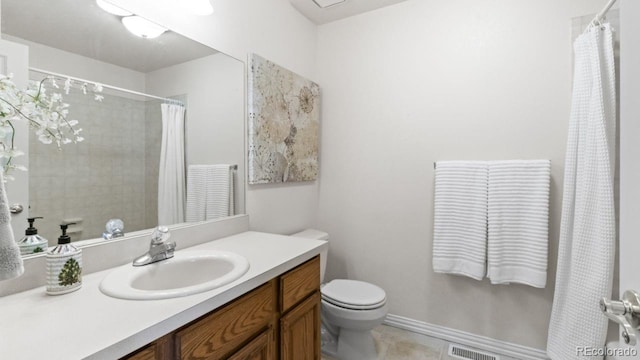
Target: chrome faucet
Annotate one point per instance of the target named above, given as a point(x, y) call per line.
point(160, 248)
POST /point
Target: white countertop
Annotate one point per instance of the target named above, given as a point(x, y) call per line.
point(88, 324)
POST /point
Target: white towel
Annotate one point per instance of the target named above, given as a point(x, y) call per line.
point(218, 191)
point(10, 261)
point(210, 192)
point(460, 218)
point(232, 193)
point(518, 218)
point(586, 248)
point(196, 193)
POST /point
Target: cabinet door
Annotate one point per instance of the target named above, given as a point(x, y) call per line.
point(260, 348)
point(147, 353)
point(299, 283)
point(220, 333)
point(160, 349)
point(300, 331)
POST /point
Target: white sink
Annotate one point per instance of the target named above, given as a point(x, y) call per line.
point(188, 272)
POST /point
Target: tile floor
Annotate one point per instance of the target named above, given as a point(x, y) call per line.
point(398, 344)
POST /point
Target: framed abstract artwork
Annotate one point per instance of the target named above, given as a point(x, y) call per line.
point(284, 122)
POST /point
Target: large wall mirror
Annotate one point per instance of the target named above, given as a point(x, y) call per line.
point(114, 173)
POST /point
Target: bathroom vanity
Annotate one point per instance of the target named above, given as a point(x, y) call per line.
point(278, 320)
point(271, 312)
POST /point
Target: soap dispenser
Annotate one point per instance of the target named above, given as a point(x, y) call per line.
point(32, 243)
point(64, 265)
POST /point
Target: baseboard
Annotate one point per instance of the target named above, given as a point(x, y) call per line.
point(465, 338)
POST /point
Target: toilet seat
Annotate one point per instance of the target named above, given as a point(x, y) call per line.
point(353, 294)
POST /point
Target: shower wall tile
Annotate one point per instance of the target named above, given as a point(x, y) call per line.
point(152, 144)
point(103, 177)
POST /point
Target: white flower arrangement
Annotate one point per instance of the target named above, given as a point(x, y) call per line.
point(45, 113)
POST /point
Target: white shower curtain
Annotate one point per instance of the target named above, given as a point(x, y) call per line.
point(171, 178)
point(587, 230)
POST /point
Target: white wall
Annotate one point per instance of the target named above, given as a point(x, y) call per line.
point(276, 31)
point(423, 81)
point(64, 62)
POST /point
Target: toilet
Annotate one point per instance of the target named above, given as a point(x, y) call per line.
point(350, 310)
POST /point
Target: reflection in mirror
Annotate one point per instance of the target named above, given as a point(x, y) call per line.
point(118, 171)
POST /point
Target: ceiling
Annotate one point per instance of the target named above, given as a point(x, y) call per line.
point(339, 11)
point(81, 27)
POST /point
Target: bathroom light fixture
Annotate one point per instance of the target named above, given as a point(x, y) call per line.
point(198, 7)
point(142, 27)
point(327, 3)
point(112, 9)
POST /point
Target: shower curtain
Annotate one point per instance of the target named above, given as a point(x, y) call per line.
point(587, 230)
point(171, 177)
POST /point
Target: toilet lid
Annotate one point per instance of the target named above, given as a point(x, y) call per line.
point(353, 294)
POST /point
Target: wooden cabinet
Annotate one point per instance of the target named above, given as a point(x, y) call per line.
point(217, 335)
point(278, 320)
point(146, 353)
point(300, 307)
point(299, 283)
point(300, 331)
point(161, 349)
point(261, 348)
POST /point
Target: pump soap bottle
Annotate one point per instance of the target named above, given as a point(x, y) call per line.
point(32, 243)
point(64, 265)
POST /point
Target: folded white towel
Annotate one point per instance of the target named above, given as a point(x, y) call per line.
point(210, 192)
point(460, 218)
point(518, 219)
point(196, 193)
point(219, 193)
point(10, 261)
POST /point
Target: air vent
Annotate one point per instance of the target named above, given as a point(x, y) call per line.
point(461, 352)
point(327, 3)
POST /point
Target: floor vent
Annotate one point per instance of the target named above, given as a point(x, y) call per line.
point(461, 352)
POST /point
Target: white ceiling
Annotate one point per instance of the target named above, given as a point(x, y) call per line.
point(339, 11)
point(81, 27)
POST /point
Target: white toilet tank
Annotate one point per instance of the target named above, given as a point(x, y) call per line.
point(316, 235)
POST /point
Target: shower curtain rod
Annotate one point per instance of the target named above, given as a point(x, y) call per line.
point(602, 13)
point(47, 72)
